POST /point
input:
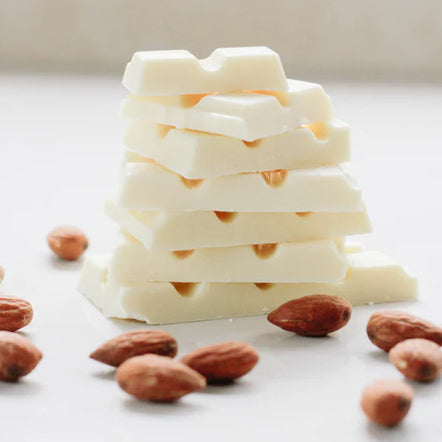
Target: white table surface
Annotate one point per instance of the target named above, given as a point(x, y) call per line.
point(60, 147)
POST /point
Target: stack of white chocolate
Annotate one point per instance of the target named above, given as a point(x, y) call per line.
point(233, 196)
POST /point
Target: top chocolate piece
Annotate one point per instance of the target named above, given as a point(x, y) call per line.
point(226, 70)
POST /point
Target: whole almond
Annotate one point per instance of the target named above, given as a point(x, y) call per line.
point(417, 359)
point(15, 313)
point(67, 242)
point(135, 343)
point(220, 363)
point(158, 378)
point(387, 328)
point(314, 315)
point(387, 402)
point(18, 356)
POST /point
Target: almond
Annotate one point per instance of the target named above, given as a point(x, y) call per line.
point(158, 378)
point(15, 313)
point(220, 363)
point(417, 359)
point(387, 328)
point(387, 402)
point(135, 343)
point(18, 356)
point(2, 273)
point(67, 242)
point(314, 315)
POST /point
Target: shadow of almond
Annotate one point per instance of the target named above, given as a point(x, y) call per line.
point(182, 407)
point(238, 387)
point(108, 375)
point(62, 264)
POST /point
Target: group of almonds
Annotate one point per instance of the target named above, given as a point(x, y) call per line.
point(18, 355)
point(146, 368)
point(413, 345)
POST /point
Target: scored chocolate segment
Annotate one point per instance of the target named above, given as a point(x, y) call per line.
point(182, 253)
point(184, 288)
point(274, 178)
point(264, 250)
point(191, 184)
point(225, 217)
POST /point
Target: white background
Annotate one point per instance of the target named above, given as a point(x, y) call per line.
point(59, 150)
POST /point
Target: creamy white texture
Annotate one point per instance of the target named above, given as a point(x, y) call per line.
point(372, 277)
point(148, 186)
point(195, 154)
point(172, 230)
point(318, 261)
point(245, 115)
point(225, 70)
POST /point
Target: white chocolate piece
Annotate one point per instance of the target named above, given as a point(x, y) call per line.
point(247, 115)
point(147, 186)
point(316, 261)
point(372, 278)
point(195, 154)
point(163, 231)
point(179, 72)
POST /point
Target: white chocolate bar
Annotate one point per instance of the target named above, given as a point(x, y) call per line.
point(316, 261)
point(225, 70)
point(371, 278)
point(146, 185)
point(247, 115)
point(163, 231)
point(195, 154)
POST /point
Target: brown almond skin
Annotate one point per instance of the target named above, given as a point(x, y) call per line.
point(313, 315)
point(18, 356)
point(15, 313)
point(67, 242)
point(417, 359)
point(387, 328)
point(158, 378)
point(387, 402)
point(222, 363)
point(135, 343)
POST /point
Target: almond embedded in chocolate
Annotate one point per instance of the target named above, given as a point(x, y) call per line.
point(225, 217)
point(191, 184)
point(264, 250)
point(181, 254)
point(274, 178)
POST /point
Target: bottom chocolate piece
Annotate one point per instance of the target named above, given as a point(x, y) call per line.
point(372, 277)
